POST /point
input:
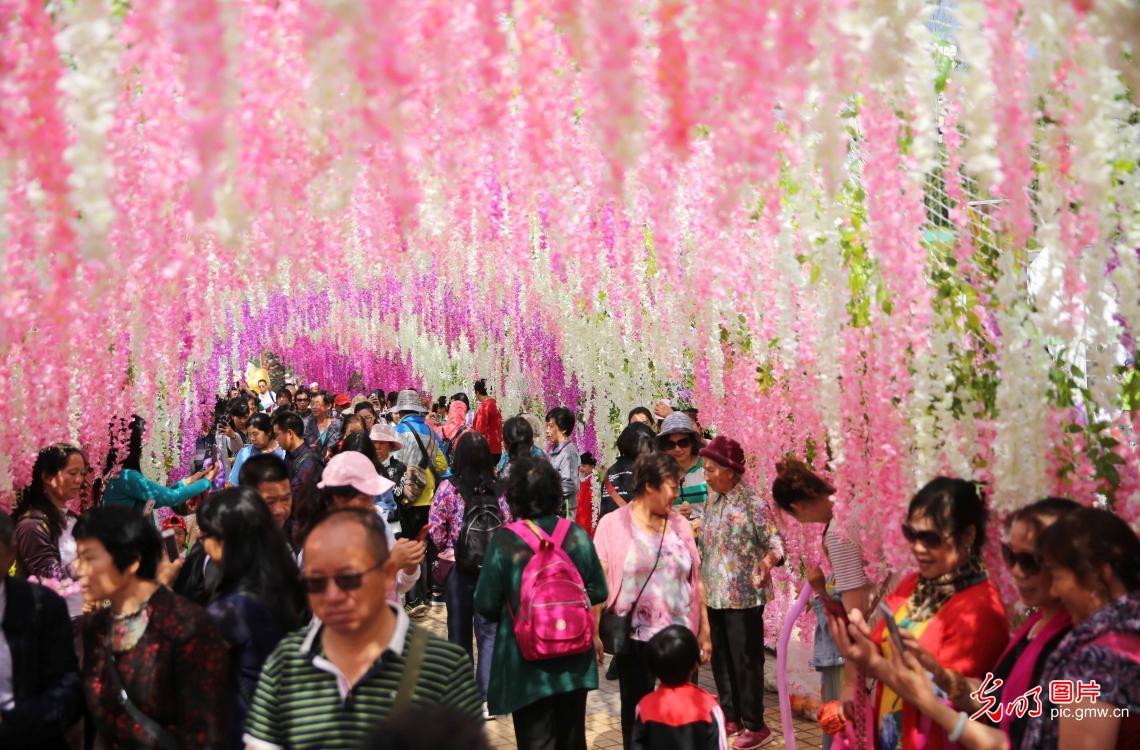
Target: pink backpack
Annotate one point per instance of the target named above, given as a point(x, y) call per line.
point(554, 617)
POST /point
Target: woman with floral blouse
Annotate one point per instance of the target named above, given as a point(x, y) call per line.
point(739, 547)
point(160, 651)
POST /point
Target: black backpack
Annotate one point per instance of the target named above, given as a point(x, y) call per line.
point(449, 443)
point(482, 517)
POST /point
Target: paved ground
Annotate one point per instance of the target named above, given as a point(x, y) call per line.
point(603, 727)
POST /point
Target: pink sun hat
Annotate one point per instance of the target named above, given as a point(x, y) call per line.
point(352, 469)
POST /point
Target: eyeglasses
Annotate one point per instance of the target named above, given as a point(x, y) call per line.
point(929, 539)
point(1030, 563)
point(344, 581)
point(684, 442)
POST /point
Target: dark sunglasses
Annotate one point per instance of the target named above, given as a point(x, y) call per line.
point(684, 442)
point(1030, 563)
point(343, 581)
point(929, 539)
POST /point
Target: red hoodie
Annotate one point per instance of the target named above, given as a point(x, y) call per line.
point(489, 422)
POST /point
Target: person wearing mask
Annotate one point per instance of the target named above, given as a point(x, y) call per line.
point(804, 495)
point(130, 488)
point(300, 459)
point(151, 647)
point(302, 402)
point(44, 545)
point(268, 475)
point(564, 456)
point(949, 605)
point(329, 426)
point(547, 699)
point(518, 439)
point(385, 442)
point(740, 547)
point(617, 487)
point(421, 453)
point(488, 419)
point(40, 692)
point(652, 569)
point(681, 440)
point(469, 500)
point(266, 398)
point(329, 685)
point(261, 440)
point(259, 597)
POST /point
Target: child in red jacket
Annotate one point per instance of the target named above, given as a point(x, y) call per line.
point(678, 715)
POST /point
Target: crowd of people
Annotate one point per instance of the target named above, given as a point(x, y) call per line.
point(276, 596)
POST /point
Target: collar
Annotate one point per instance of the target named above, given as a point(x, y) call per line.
point(700, 464)
point(396, 645)
point(559, 446)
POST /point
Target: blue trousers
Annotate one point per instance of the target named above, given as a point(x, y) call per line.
point(462, 619)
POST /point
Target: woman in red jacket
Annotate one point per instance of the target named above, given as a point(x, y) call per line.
point(950, 606)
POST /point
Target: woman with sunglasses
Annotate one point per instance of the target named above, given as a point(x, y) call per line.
point(949, 606)
point(680, 440)
point(259, 598)
point(1021, 664)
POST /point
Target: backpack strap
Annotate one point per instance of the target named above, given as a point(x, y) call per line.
point(533, 539)
point(412, 667)
point(560, 532)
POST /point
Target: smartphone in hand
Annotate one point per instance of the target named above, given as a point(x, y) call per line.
point(893, 631)
point(170, 544)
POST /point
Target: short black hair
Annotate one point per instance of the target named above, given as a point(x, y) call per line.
point(239, 407)
point(673, 654)
point(587, 459)
point(518, 437)
point(953, 506)
point(1087, 539)
point(374, 529)
point(284, 393)
point(428, 726)
point(635, 439)
point(7, 529)
point(533, 488)
point(127, 536)
point(290, 421)
point(652, 469)
point(364, 406)
point(640, 410)
point(262, 380)
point(261, 422)
point(563, 419)
point(1048, 507)
point(481, 387)
point(264, 467)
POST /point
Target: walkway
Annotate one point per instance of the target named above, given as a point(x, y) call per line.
point(603, 727)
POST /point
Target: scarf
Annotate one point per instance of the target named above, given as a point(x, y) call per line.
point(931, 593)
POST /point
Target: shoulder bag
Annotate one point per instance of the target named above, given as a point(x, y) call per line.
point(615, 630)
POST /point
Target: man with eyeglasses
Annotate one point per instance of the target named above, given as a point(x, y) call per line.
point(680, 439)
point(362, 659)
point(301, 403)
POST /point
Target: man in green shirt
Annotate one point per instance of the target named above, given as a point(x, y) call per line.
point(362, 660)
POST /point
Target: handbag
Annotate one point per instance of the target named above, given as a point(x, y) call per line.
point(164, 738)
point(615, 630)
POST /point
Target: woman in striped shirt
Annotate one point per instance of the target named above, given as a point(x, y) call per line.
point(804, 495)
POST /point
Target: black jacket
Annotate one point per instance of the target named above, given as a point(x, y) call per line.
point(45, 673)
point(199, 578)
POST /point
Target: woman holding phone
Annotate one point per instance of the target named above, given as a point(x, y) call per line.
point(949, 605)
point(805, 496)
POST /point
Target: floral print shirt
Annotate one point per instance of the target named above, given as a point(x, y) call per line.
point(668, 592)
point(738, 529)
point(445, 518)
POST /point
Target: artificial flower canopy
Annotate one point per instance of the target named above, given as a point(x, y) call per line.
point(896, 237)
